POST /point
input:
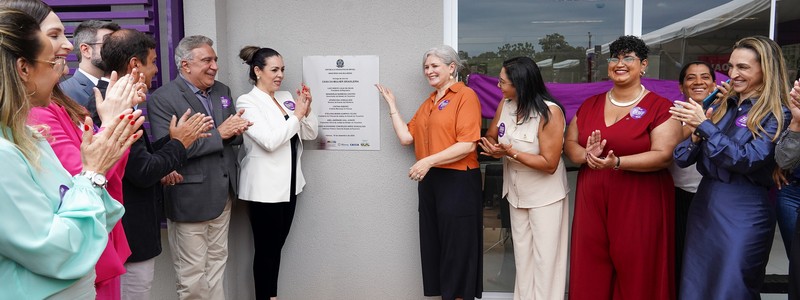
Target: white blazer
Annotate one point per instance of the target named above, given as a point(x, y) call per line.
point(267, 155)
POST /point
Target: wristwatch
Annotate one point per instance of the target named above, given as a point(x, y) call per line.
point(97, 179)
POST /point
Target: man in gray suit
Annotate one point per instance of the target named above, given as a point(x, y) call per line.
point(88, 39)
point(198, 209)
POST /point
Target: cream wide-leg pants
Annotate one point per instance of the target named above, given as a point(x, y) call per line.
point(541, 242)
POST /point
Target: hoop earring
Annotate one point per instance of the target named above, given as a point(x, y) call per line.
point(34, 90)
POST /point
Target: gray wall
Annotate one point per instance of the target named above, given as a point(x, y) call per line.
point(355, 231)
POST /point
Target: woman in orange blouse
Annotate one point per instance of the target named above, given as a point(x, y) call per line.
point(444, 132)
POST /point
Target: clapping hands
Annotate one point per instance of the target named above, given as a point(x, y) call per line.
point(122, 93)
point(594, 148)
point(102, 150)
point(234, 125)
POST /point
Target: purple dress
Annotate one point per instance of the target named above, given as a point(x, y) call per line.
point(731, 220)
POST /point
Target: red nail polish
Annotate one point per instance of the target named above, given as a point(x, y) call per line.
point(130, 117)
point(121, 117)
point(85, 127)
point(133, 122)
point(135, 136)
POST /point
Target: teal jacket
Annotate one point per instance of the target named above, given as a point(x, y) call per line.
point(53, 227)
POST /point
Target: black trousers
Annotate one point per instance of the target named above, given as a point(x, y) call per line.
point(682, 201)
point(270, 223)
point(794, 263)
point(450, 230)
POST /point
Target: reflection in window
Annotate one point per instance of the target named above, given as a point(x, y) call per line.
point(555, 33)
point(680, 31)
point(788, 35)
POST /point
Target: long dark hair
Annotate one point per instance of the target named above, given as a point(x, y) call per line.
point(531, 92)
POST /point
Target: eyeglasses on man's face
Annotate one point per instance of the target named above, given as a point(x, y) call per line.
point(626, 60)
point(57, 64)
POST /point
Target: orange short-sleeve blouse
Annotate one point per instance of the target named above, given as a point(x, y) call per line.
point(456, 117)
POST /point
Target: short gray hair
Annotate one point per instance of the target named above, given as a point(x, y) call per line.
point(447, 54)
point(187, 44)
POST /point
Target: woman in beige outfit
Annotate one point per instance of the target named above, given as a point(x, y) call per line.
point(528, 132)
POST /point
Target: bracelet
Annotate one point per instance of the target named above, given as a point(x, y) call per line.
point(392, 113)
point(515, 155)
point(616, 167)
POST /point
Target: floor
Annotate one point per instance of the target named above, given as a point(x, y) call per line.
point(498, 256)
point(498, 261)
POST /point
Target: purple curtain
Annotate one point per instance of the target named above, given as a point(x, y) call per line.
point(571, 95)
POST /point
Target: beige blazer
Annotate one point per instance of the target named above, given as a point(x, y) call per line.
point(266, 157)
point(523, 186)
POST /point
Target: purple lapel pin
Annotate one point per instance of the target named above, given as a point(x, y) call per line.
point(289, 104)
point(225, 102)
point(443, 104)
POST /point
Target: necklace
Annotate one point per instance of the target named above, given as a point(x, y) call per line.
point(624, 104)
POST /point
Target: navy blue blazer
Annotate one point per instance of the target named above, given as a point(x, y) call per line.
point(79, 88)
point(728, 152)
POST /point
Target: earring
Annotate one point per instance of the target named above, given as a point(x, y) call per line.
point(643, 72)
point(258, 77)
point(451, 76)
point(34, 90)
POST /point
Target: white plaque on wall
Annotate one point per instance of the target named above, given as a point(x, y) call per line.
point(345, 100)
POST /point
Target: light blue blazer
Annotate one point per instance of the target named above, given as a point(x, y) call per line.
point(53, 226)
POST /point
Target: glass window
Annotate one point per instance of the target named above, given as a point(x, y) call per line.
point(788, 36)
point(680, 31)
point(555, 33)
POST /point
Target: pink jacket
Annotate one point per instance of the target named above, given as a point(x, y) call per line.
point(65, 138)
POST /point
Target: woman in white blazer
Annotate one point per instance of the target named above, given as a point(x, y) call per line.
point(271, 176)
point(528, 132)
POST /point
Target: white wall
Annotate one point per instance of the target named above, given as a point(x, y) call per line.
point(355, 234)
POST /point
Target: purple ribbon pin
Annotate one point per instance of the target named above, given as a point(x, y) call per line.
point(289, 104)
point(443, 104)
point(62, 190)
point(638, 112)
point(501, 130)
point(225, 101)
point(741, 122)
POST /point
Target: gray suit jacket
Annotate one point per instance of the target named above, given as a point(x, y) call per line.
point(212, 169)
point(79, 88)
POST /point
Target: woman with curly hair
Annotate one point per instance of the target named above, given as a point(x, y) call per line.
point(622, 232)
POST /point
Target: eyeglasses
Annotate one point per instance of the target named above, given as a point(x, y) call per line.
point(626, 60)
point(502, 82)
point(57, 64)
